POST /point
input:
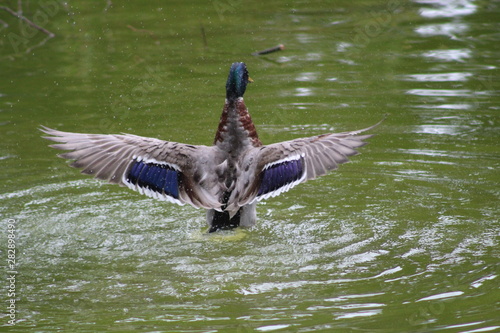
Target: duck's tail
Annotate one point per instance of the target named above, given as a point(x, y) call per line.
point(246, 216)
point(221, 220)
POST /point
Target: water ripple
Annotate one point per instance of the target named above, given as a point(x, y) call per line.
point(441, 296)
point(442, 92)
point(365, 313)
point(459, 55)
point(438, 77)
point(447, 29)
point(447, 8)
point(442, 129)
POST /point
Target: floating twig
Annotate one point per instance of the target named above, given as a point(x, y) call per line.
point(204, 36)
point(28, 50)
point(144, 31)
point(271, 50)
point(25, 19)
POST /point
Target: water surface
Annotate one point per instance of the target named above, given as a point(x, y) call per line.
point(403, 239)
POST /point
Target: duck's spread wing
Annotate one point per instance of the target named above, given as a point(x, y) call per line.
point(273, 169)
point(164, 170)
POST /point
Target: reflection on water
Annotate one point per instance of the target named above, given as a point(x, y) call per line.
point(439, 77)
point(442, 129)
point(447, 8)
point(300, 92)
point(435, 153)
point(442, 92)
point(460, 55)
point(309, 76)
point(441, 296)
point(446, 106)
point(448, 29)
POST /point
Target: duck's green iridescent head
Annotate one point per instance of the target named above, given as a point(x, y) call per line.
point(237, 80)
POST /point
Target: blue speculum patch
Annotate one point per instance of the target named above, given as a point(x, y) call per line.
point(160, 178)
point(279, 175)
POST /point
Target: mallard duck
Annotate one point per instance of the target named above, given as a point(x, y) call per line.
point(228, 178)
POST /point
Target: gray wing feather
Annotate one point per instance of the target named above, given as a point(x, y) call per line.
point(110, 157)
point(321, 154)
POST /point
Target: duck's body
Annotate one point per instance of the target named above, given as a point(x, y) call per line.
point(228, 178)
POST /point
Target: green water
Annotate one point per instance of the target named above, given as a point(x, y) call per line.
point(403, 239)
